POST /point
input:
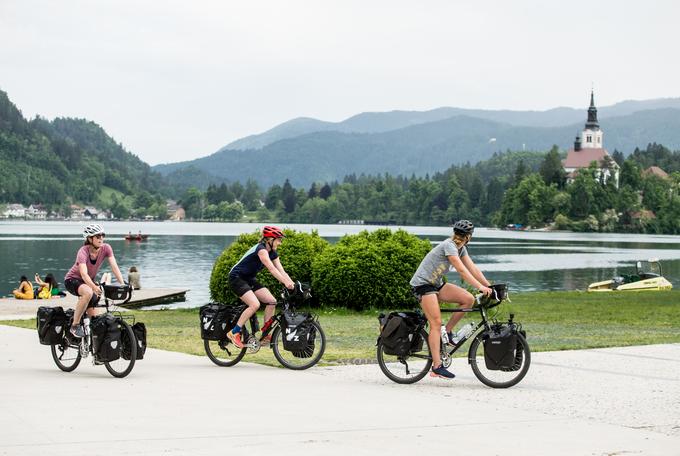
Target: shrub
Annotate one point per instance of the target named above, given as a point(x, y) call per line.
point(297, 252)
point(369, 270)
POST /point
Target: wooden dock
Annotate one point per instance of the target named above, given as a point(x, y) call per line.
point(19, 309)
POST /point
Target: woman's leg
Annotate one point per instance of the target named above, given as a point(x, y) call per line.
point(430, 305)
point(84, 295)
point(266, 298)
point(253, 304)
point(455, 294)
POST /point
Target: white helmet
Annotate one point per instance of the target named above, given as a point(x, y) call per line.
point(92, 230)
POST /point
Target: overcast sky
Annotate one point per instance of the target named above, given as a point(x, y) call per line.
point(177, 80)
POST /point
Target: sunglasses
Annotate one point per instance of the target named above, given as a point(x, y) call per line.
point(99, 236)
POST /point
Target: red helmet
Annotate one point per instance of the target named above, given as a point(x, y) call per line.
point(272, 232)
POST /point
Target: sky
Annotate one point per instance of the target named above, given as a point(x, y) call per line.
point(178, 80)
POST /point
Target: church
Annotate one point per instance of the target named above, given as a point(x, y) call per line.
point(589, 147)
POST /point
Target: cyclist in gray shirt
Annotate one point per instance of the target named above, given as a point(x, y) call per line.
point(429, 287)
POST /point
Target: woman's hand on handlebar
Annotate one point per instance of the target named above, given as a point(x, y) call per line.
point(486, 291)
point(290, 285)
point(97, 290)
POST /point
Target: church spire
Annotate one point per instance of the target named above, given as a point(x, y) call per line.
point(592, 123)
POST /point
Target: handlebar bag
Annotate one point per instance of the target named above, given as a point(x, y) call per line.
point(217, 319)
point(50, 323)
point(500, 344)
point(297, 331)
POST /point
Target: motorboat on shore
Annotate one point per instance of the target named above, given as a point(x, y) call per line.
point(647, 277)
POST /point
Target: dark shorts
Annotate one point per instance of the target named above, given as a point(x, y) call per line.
point(72, 286)
point(241, 286)
point(422, 290)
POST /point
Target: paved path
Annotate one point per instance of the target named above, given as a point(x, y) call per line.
point(595, 402)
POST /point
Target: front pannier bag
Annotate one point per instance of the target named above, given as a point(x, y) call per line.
point(218, 319)
point(139, 330)
point(398, 333)
point(500, 344)
point(298, 333)
point(106, 338)
point(51, 323)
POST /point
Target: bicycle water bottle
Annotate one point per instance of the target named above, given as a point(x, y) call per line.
point(463, 332)
point(445, 336)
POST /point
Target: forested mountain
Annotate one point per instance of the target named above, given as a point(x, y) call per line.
point(421, 148)
point(376, 122)
point(67, 161)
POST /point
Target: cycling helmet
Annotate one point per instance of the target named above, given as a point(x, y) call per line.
point(92, 230)
point(272, 232)
point(463, 227)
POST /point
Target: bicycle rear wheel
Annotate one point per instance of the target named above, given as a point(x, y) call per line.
point(299, 360)
point(223, 352)
point(121, 367)
point(505, 377)
point(406, 369)
point(66, 356)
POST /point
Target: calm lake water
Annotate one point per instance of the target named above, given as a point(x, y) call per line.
point(181, 254)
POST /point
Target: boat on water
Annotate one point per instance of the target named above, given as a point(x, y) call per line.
point(647, 277)
point(136, 237)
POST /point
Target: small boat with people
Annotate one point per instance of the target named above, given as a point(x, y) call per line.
point(647, 277)
point(136, 237)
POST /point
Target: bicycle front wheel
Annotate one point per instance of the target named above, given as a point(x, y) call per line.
point(303, 359)
point(121, 367)
point(504, 377)
point(410, 368)
point(66, 356)
point(223, 352)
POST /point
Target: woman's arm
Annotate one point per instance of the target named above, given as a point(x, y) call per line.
point(467, 276)
point(38, 281)
point(472, 267)
point(116, 269)
point(279, 266)
point(281, 277)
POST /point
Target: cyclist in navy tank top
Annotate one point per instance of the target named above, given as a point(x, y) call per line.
point(243, 282)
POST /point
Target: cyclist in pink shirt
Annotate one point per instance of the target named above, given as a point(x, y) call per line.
point(80, 279)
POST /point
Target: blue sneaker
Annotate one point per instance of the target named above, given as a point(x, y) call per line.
point(441, 372)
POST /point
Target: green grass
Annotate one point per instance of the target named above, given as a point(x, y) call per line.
point(553, 321)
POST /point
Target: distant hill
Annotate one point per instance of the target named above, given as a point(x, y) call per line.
point(63, 161)
point(420, 148)
point(377, 122)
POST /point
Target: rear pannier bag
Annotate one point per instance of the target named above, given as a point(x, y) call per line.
point(139, 330)
point(218, 319)
point(106, 337)
point(398, 334)
point(500, 344)
point(51, 323)
point(298, 333)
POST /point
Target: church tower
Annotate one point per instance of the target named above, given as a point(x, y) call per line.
point(591, 136)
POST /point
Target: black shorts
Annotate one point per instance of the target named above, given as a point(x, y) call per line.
point(422, 290)
point(241, 286)
point(72, 286)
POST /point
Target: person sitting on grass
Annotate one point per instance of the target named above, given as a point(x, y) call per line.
point(25, 290)
point(429, 288)
point(243, 282)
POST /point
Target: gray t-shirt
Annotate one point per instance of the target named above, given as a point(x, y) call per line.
point(436, 263)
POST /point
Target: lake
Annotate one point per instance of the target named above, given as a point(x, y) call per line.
point(181, 254)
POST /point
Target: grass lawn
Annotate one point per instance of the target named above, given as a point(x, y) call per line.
point(553, 321)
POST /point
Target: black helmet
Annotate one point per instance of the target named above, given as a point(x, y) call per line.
point(463, 227)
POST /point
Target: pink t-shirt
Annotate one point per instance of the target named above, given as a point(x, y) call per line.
point(83, 256)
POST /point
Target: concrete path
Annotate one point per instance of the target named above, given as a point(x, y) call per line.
point(594, 402)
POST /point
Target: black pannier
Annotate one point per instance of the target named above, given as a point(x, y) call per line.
point(398, 333)
point(139, 330)
point(500, 347)
point(106, 337)
point(51, 322)
point(218, 319)
point(298, 333)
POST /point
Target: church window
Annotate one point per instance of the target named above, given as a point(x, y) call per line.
point(589, 139)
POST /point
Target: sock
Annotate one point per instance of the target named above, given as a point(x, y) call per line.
point(236, 329)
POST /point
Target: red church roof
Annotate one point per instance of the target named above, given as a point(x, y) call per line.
point(583, 157)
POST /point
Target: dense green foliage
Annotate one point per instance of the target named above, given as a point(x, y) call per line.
point(369, 270)
point(71, 161)
point(296, 253)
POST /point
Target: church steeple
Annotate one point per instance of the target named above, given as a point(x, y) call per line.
point(592, 123)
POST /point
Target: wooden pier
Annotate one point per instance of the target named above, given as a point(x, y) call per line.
point(19, 309)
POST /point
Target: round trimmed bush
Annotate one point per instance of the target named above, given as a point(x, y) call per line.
point(296, 253)
point(369, 270)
